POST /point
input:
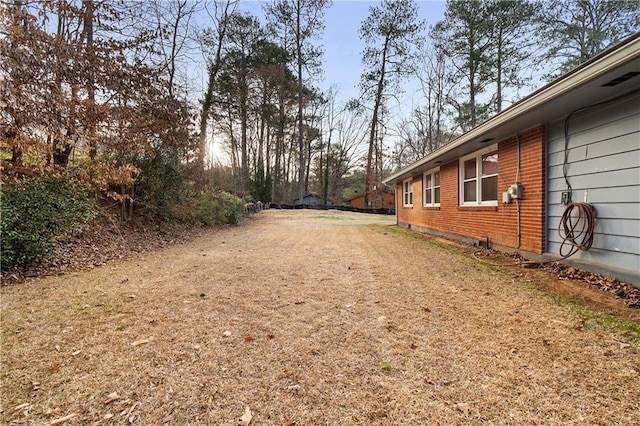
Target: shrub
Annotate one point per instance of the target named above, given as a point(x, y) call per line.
point(35, 213)
point(162, 185)
point(219, 208)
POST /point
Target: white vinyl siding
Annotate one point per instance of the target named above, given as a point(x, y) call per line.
point(603, 166)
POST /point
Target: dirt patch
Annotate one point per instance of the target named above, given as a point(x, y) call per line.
point(309, 318)
point(593, 290)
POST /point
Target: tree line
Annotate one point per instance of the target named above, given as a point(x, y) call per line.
point(101, 90)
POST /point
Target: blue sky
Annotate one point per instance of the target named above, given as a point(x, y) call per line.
point(343, 46)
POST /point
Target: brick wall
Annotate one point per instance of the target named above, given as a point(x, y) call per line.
point(374, 198)
point(499, 223)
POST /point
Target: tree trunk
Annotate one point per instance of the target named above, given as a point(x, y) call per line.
point(374, 124)
point(499, 72)
point(244, 165)
point(301, 171)
point(91, 90)
point(207, 102)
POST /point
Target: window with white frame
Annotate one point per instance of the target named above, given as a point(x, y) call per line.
point(479, 178)
point(431, 185)
point(407, 193)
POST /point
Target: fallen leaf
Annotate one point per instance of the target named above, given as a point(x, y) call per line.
point(462, 407)
point(140, 342)
point(76, 352)
point(624, 345)
point(246, 417)
point(111, 397)
point(21, 408)
point(249, 338)
point(226, 333)
point(107, 416)
point(62, 420)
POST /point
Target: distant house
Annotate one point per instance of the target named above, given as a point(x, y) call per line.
point(308, 200)
point(385, 199)
point(509, 181)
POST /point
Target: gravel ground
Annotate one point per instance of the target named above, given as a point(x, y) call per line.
point(311, 318)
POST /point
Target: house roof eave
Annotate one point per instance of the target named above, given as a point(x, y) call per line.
point(552, 101)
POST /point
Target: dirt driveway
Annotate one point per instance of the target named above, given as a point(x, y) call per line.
point(308, 318)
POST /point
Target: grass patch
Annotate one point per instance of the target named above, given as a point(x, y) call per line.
point(426, 238)
point(449, 248)
point(600, 322)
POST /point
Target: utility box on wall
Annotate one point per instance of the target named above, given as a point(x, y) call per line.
point(516, 191)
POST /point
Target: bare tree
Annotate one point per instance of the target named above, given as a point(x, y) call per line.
point(175, 24)
point(427, 128)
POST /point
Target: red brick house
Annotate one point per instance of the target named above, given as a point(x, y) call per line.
point(377, 200)
point(506, 183)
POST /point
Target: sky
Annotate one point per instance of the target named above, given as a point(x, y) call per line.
point(342, 59)
point(343, 46)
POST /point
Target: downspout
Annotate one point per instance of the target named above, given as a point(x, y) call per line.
point(517, 181)
point(395, 194)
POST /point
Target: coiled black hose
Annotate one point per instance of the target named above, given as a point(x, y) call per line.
point(576, 230)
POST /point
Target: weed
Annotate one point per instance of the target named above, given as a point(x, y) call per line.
point(596, 321)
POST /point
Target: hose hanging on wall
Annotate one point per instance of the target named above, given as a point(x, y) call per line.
point(576, 230)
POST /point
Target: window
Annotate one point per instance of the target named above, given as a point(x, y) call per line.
point(431, 185)
point(407, 193)
point(479, 177)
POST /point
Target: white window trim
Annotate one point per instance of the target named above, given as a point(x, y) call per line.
point(431, 172)
point(405, 192)
point(478, 156)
